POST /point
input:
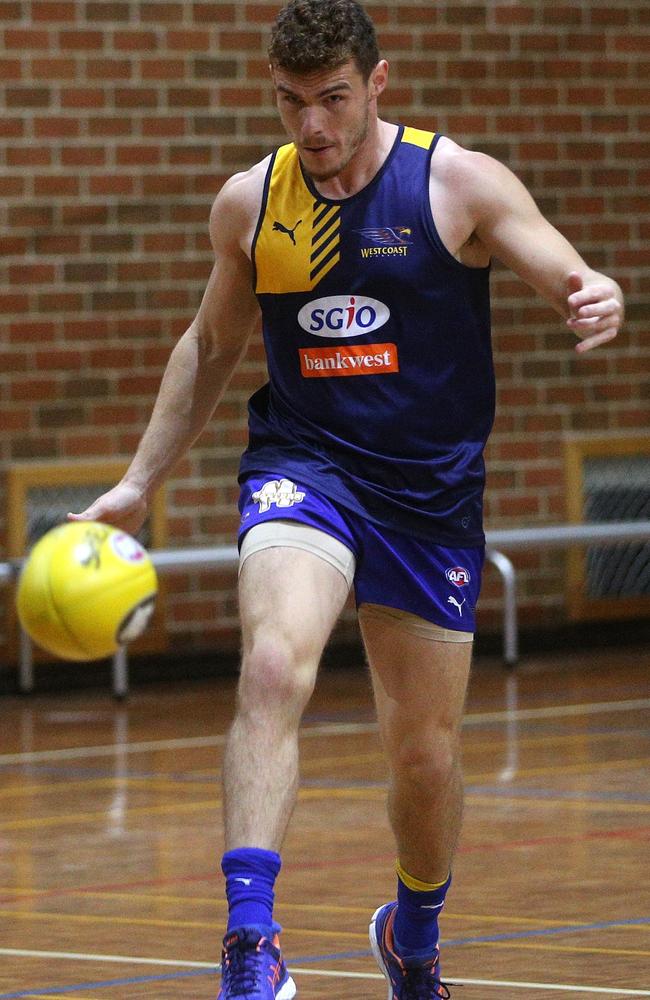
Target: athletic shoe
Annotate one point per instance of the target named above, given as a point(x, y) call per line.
point(408, 978)
point(252, 967)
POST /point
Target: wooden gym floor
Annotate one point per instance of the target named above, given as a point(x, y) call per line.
point(110, 830)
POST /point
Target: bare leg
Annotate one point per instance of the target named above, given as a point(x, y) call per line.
point(289, 602)
point(420, 687)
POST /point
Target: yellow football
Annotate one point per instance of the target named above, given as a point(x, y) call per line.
point(85, 590)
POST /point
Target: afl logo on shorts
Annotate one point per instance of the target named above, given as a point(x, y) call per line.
point(458, 575)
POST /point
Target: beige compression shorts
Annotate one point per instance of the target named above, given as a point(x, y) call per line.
point(294, 535)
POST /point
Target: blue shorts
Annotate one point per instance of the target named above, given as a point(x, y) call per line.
point(393, 569)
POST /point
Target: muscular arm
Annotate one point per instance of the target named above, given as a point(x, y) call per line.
point(503, 219)
point(201, 363)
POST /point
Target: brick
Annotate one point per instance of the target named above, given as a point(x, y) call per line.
point(53, 10)
point(59, 302)
point(112, 301)
point(138, 214)
point(161, 13)
point(111, 185)
point(163, 69)
point(83, 271)
point(82, 97)
point(52, 417)
point(188, 97)
point(28, 97)
point(12, 128)
point(84, 215)
point(109, 69)
point(26, 39)
point(81, 39)
point(138, 155)
point(57, 243)
point(136, 97)
point(11, 69)
point(83, 156)
point(85, 329)
point(53, 186)
point(107, 10)
point(30, 156)
point(190, 40)
point(214, 68)
point(32, 216)
point(57, 127)
point(135, 40)
point(53, 69)
point(34, 389)
point(110, 126)
point(213, 13)
point(164, 126)
point(112, 243)
point(12, 186)
point(14, 420)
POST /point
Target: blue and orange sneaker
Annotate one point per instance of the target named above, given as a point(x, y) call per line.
point(252, 967)
point(408, 978)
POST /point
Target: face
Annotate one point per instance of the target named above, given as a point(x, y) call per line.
point(327, 114)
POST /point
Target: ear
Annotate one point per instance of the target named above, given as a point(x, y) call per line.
point(378, 79)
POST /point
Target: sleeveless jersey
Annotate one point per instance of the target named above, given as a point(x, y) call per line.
point(381, 383)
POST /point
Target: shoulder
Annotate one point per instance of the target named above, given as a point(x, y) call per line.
point(474, 180)
point(236, 208)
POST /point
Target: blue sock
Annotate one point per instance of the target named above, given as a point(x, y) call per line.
point(416, 921)
point(250, 878)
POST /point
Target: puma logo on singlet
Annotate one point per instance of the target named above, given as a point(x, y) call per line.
point(279, 227)
point(452, 600)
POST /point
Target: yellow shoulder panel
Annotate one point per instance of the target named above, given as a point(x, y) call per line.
point(297, 243)
point(417, 137)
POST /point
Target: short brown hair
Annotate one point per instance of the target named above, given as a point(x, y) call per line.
point(323, 34)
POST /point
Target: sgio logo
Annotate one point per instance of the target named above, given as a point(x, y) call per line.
point(458, 575)
point(343, 316)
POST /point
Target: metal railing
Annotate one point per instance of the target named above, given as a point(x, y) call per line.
point(554, 535)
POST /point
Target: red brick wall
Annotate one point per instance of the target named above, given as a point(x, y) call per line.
point(121, 121)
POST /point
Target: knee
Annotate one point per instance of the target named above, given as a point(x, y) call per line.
point(430, 762)
point(275, 675)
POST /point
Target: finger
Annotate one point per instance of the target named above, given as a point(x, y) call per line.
point(605, 307)
point(574, 283)
point(592, 295)
point(79, 517)
point(594, 325)
point(601, 338)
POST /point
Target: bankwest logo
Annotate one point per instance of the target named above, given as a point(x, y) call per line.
point(362, 359)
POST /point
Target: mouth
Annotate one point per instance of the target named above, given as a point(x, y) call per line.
point(317, 150)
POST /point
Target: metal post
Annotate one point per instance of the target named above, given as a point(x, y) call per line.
point(26, 664)
point(121, 673)
point(510, 628)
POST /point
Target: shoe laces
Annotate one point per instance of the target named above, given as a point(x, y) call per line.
point(243, 965)
point(421, 983)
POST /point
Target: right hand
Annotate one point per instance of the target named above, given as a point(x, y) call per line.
point(124, 507)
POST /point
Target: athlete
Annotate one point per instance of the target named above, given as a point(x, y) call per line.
point(365, 246)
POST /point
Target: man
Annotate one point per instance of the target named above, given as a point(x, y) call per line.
point(366, 246)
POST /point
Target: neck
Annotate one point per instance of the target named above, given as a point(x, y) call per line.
point(364, 165)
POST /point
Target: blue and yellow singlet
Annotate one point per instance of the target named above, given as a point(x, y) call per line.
point(381, 382)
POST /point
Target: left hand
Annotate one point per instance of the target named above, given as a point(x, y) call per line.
point(596, 311)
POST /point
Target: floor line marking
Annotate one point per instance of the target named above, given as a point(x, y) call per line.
point(327, 729)
point(299, 970)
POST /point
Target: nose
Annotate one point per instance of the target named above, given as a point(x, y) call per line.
point(311, 125)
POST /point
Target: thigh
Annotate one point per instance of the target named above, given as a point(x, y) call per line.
point(291, 596)
point(419, 682)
